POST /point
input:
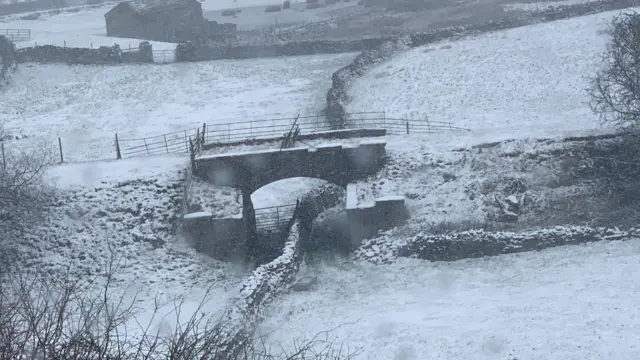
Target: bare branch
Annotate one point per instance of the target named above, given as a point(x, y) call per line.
point(615, 89)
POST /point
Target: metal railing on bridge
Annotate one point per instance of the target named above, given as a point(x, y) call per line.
point(234, 131)
point(16, 34)
point(230, 131)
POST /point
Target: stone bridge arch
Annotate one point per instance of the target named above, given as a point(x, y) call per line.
point(307, 208)
point(249, 171)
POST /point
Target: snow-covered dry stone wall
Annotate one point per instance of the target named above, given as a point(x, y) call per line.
point(264, 284)
point(479, 243)
point(69, 55)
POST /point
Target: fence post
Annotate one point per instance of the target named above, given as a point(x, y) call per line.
point(4, 160)
point(186, 142)
point(278, 216)
point(60, 147)
point(118, 154)
point(204, 130)
point(407, 128)
point(65, 43)
point(165, 143)
point(228, 131)
point(145, 145)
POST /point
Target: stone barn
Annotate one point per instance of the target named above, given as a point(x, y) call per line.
point(170, 21)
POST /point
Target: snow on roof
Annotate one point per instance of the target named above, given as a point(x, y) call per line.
point(154, 5)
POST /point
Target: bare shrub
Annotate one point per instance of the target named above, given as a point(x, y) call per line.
point(24, 198)
point(66, 317)
point(607, 171)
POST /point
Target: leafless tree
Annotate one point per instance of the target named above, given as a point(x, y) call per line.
point(615, 89)
point(24, 197)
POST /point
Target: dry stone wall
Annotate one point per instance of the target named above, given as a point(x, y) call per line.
point(262, 287)
point(103, 55)
point(479, 243)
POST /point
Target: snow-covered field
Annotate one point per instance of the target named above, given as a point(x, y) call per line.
point(527, 81)
point(82, 27)
point(86, 105)
point(574, 302)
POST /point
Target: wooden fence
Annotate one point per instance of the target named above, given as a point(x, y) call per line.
point(16, 34)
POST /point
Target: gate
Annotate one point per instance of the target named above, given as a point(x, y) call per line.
point(16, 34)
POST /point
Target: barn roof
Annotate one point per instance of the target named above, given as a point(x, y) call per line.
point(121, 7)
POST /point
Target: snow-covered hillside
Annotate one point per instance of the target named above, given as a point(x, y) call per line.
point(87, 105)
point(128, 209)
point(574, 302)
point(527, 81)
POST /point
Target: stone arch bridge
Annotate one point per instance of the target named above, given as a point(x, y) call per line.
point(248, 171)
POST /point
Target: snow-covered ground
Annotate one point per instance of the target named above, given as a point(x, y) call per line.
point(528, 81)
point(86, 105)
point(575, 302)
point(128, 208)
point(81, 27)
